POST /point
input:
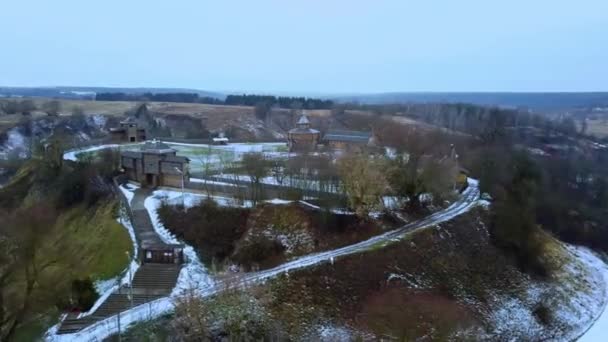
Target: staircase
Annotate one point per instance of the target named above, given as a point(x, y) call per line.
point(157, 277)
point(150, 282)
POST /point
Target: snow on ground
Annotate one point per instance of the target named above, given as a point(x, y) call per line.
point(575, 299)
point(103, 329)
point(599, 330)
point(332, 333)
point(99, 120)
point(194, 273)
point(340, 211)
point(191, 199)
point(129, 191)
point(109, 326)
point(238, 148)
point(205, 156)
point(73, 154)
point(205, 181)
point(15, 142)
point(278, 201)
point(305, 184)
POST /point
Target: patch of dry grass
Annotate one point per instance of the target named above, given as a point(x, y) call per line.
point(597, 128)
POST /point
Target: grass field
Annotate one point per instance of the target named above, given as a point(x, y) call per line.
point(214, 155)
point(102, 241)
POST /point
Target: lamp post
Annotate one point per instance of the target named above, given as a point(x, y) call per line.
point(119, 286)
point(181, 173)
point(130, 278)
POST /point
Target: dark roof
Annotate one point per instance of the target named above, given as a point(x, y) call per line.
point(176, 159)
point(131, 154)
point(347, 136)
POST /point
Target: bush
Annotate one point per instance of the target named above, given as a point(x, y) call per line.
point(211, 229)
point(543, 314)
point(257, 250)
point(84, 294)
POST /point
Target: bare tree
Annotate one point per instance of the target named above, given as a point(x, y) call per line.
point(52, 108)
point(363, 181)
point(277, 169)
point(227, 165)
point(206, 160)
point(31, 277)
point(255, 166)
point(190, 320)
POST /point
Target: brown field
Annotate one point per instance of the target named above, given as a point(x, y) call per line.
point(217, 117)
point(597, 128)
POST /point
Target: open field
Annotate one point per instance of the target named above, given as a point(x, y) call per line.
point(597, 128)
point(120, 107)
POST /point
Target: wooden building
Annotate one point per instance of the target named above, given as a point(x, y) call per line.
point(162, 253)
point(129, 131)
point(156, 164)
point(351, 141)
point(303, 138)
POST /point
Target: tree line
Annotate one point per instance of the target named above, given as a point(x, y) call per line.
point(281, 101)
point(480, 121)
point(158, 97)
point(233, 100)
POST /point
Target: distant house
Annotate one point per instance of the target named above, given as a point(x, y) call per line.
point(156, 164)
point(128, 131)
point(342, 140)
point(303, 138)
point(220, 139)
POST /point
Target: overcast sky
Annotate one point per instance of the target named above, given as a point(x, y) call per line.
point(324, 46)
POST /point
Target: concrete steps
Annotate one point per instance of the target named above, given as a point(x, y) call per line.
point(156, 276)
point(150, 282)
point(144, 230)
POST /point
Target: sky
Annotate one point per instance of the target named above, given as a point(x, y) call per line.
point(307, 46)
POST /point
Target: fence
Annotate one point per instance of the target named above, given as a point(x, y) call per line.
point(210, 141)
point(265, 191)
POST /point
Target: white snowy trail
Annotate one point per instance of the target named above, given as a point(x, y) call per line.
point(102, 329)
point(598, 331)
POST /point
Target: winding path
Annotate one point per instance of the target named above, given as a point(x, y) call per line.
point(102, 329)
point(99, 330)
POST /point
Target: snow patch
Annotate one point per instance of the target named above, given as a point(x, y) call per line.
point(73, 154)
point(193, 273)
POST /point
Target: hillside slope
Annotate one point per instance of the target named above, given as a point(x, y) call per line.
point(447, 282)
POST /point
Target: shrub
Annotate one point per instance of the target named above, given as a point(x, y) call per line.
point(84, 294)
point(257, 250)
point(212, 229)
